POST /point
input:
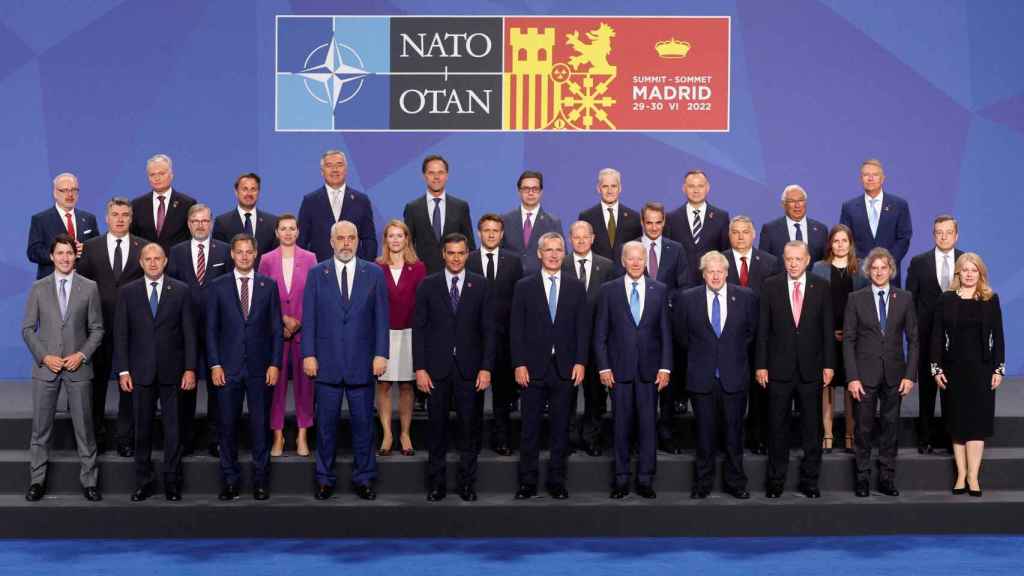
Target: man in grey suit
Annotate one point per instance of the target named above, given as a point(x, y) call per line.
point(63, 326)
point(526, 224)
point(877, 319)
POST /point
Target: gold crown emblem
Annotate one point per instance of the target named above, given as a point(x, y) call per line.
point(673, 48)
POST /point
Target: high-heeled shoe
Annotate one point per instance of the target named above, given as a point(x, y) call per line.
point(848, 444)
point(972, 492)
point(826, 444)
point(302, 446)
point(278, 447)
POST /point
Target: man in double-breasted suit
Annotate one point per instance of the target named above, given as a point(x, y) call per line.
point(613, 223)
point(245, 218)
point(877, 320)
point(878, 218)
point(526, 224)
point(345, 347)
point(63, 327)
point(432, 216)
point(63, 218)
point(794, 225)
point(161, 215)
point(331, 203)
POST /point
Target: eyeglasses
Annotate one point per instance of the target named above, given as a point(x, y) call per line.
point(529, 188)
point(199, 221)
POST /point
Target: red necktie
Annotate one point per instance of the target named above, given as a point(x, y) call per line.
point(201, 265)
point(744, 272)
point(71, 224)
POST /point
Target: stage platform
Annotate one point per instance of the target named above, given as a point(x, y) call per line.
point(925, 505)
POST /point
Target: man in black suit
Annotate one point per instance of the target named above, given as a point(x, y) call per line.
point(502, 269)
point(331, 203)
point(795, 357)
point(198, 262)
point(111, 261)
point(877, 319)
point(550, 337)
point(453, 355)
point(749, 267)
point(63, 218)
point(928, 276)
point(794, 225)
point(697, 225)
point(161, 216)
point(155, 356)
point(633, 347)
point(246, 218)
point(715, 323)
point(436, 214)
point(613, 223)
point(527, 223)
point(593, 270)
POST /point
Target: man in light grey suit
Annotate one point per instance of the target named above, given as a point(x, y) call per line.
point(526, 224)
point(63, 326)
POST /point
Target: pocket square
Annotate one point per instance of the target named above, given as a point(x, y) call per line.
point(218, 264)
point(87, 231)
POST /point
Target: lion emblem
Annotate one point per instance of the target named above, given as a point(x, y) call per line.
point(595, 52)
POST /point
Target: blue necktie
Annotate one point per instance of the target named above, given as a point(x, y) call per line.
point(634, 304)
point(873, 214)
point(553, 297)
point(799, 234)
point(435, 219)
point(63, 299)
point(247, 228)
point(153, 299)
point(881, 310)
point(716, 314)
point(455, 294)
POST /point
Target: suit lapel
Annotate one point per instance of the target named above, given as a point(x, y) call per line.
point(161, 305)
point(359, 283)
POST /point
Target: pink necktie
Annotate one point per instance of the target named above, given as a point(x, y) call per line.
point(798, 303)
point(527, 229)
point(161, 214)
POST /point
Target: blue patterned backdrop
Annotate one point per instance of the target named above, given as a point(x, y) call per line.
point(935, 89)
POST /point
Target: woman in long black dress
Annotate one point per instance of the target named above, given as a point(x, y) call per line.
point(968, 362)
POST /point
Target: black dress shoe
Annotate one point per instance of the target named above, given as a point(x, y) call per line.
point(773, 492)
point(467, 493)
point(436, 495)
point(810, 491)
point(260, 492)
point(35, 493)
point(738, 493)
point(228, 492)
point(188, 450)
point(142, 492)
point(365, 491)
point(888, 489)
point(862, 490)
point(323, 492)
point(172, 493)
point(619, 492)
point(91, 493)
point(526, 491)
point(698, 494)
point(646, 491)
point(669, 446)
point(925, 448)
point(503, 450)
point(681, 407)
point(213, 450)
point(593, 450)
point(125, 451)
point(558, 492)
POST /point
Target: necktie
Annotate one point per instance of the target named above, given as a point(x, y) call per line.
point(70, 224)
point(118, 260)
point(652, 262)
point(874, 216)
point(798, 303)
point(527, 229)
point(247, 227)
point(336, 204)
point(553, 297)
point(63, 299)
point(634, 304)
point(435, 219)
point(799, 233)
point(744, 272)
point(161, 214)
point(583, 273)
point(716, 314)
point(490, 266)
point(245, 297)
point(454, 294)
point(945, 273)
point(611, 227)
point(344, 285)
point(882, 313)
point(696, 227)
point(201, 264)
point(153, 299)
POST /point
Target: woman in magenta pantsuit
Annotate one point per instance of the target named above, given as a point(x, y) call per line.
point(288, 265)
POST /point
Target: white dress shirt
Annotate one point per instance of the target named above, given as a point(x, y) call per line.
point(238, 287)
point(588, 266)
point(736, 255)
point(604, 213)
point(658, 242)
point(351, 266)
point(641, 287)
point(159, 288)
point(546, 276)
point(535, 211)
point(790, 281)
point(442, 206)
point(156, 204)
point(194, 248)
point(64, 218)
point(331, 194)
point(112, 245)
point(939, 257)
point(57, 277)
point(792, 229)
point(867, 204)
point(483, 260)
point(241, 214)
point(702, 208)
point(722, 303)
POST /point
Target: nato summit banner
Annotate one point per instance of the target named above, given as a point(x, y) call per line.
point(469, 73)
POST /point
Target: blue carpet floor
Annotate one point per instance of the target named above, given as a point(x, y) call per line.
point(832, 556)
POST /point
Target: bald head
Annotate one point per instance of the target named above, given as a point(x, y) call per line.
point(344, 240)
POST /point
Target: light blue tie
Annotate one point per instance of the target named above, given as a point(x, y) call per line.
point(716, 315)
point(153, 299)
point(874, 216)
point(63, 299)
point(881, 310)
point(634, 304)
point(553, 297)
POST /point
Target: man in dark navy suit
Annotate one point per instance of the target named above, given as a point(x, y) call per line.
point(453, 341)
point(715, 323)
point(795, 358)
point(244, 339)
point(697, 225)
point(331, 203)
point(432, 216)
point(527, 223)
point(550, 337)
point(345, 347)
point(155, 356)
point(502, 269)
point(198, 262)
point(877, 218)
point(63, 218)
point(633, 346)
point(245, 218)
point(613, 223)
point(794, 225)
point(161, 215)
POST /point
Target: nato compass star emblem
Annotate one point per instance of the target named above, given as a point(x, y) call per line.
point(333, 73)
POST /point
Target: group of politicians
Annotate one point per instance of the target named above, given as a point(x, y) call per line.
point(659, 310)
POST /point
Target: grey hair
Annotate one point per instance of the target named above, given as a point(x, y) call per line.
point(879, 253)
point(119, 201)
point(610, 172)
point(342, 223)
point(160, 158)
point(63, 175)
point(332, 152)
point(199, 207)
point(632, 244)
point(793, 187)
point(579, 223)
point(713, 256)
point(741, 219)
point(550, 236)
point(797, 244)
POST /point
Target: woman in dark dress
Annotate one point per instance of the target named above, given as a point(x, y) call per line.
point(840, 267)
point(968, 362)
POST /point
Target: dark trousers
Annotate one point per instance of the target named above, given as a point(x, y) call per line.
point(187, 403)
point(635, 405)
point(888, 398)
point(256, 393)
point(102, 362)
point(557, 392)
point(667, 408)
point(144, 400)
point(595, 406)
point(504, 392)
point(928, 429)
point(712, 410)
point(328, 398)
point(758, 414)
point(467, 399)
point(780, 394)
